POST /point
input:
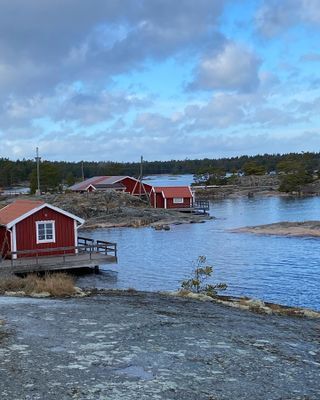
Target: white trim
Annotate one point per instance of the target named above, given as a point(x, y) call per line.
point(177, 200)
point(14, 241)
point(36, 209)
point(94, 188)
point(75, 236)
point(165, 200)
point(53, 223)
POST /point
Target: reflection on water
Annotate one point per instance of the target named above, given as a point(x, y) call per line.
point(280, 269)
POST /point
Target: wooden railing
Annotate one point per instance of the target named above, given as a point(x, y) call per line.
point(64, 254)
point(101, 246)
point(107, 247)
point(85, 241)
point(201, 204)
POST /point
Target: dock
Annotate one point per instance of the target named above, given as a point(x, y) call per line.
point(89, 254)
point(198, 207)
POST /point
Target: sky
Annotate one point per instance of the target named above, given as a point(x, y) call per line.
point(104, 80)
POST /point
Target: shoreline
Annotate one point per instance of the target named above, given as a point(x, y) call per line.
point(286, 229)
point(242, 303)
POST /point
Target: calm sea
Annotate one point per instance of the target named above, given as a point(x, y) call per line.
point(279, 269)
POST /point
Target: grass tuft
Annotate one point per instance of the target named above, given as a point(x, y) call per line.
point(57, 284)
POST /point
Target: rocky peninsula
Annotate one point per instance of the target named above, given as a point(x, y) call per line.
point(295, 229)
point(114, 209)
point(150, 346)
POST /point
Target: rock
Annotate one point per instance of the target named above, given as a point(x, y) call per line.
point(79, 292)
point(254, 303)
point(40, 295)
point(166, 227)
point(311, 314)
point(199, 296)
point(19, 293)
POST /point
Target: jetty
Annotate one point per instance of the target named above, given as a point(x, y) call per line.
point(87, 255)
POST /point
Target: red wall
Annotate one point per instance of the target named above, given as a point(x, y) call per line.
point(4, 245)
point(130, 184)
point(157, 199)
point(26, 232)
point(186, 203)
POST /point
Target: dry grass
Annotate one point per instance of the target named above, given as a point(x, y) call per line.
point(58, 284)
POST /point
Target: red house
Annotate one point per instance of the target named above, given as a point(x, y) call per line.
point(171, 197)
point(27, 225)
point(118, 183)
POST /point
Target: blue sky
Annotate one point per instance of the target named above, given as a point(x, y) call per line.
point(113, 80)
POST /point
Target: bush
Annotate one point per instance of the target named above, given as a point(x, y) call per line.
point(197, 282)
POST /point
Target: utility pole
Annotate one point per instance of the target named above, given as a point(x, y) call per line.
point(141, 175)
point(82, 171)
point(38, 191)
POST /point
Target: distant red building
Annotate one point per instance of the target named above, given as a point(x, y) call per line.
point(27, 225)
point(118, 183)
point(171, 197)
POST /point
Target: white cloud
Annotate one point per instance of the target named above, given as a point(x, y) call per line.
point(274, 16)
point(234, 68)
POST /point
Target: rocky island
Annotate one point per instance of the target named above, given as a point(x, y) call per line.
point(305, 228)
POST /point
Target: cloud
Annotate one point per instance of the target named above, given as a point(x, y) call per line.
point(51, 42)
point(234, 68)
point(165, 147)
point(275, 16)
point(310, 57)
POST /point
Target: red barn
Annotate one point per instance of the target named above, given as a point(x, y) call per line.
point(27, 225)
point(118, 183)
point(171, 197)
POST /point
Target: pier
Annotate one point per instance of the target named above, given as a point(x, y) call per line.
point(88, 254)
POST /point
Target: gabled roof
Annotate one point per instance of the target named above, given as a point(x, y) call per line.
point(21, 209)
point(173, 191)
point(101, 180)
point(85, 184)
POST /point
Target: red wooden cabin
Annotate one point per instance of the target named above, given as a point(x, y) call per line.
point(118, 183)
point(171, 197)
point(27, 225)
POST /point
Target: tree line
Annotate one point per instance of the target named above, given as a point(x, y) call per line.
point(54, 173)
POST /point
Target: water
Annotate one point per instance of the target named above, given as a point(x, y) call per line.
point(169, 180)
point(279, 269)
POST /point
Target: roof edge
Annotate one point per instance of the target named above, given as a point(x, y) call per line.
point(36, 209)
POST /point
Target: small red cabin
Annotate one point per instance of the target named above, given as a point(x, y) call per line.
point(171, 197)
point(27, 225)
point(118, 183)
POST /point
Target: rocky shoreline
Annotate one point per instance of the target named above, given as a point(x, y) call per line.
point(294, 229)
point(140, 346)
point(114, 209)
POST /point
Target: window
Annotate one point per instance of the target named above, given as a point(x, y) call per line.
point(177, 200)
point(45, 232)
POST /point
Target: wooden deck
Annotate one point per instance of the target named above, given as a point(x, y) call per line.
point(85, 256)
point(199, 207)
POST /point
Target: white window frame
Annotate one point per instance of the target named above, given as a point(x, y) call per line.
point(53, 223)
point(178, 200)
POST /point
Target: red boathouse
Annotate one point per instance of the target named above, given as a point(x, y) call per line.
point(171, 197)
point(27, 225)
point(118, 183)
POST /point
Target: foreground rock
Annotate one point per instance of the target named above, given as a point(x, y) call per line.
point(306, 228)
point(143, 346)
